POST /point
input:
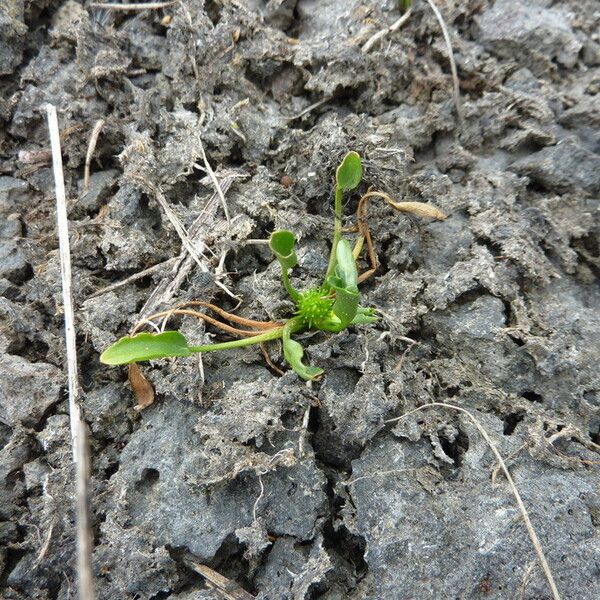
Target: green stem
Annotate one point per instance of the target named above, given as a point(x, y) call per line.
point(294, 294)
point(293, 325)
point(275, 334)
point(337, 230)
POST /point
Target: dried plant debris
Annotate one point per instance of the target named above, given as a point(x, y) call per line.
point(283, 487)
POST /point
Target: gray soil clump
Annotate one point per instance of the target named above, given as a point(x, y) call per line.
point(296, 491)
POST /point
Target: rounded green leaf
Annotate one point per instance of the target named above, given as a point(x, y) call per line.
point(349, 173)
point(293, 353)
point(145, 346)
point(282, 244)
point(346, 265)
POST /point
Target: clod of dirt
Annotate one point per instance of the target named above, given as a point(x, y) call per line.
point(563, 167)
point(27, 390)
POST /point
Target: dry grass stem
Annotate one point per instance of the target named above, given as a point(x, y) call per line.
point(185, 238)
point(269, 360)
point(420, 209)
point(525, 515)
point(310, 108)
point(455, 82)
point(198, 315)
point(134, 277)
point(229, 589)
point(216, 183)
point(230, 316)
point(304, 429)
point(376, 474)
point(90, 153)
point(174, 220)
point(380, 35)
point(260, 496)
point(184, 263)
point(129, 7)
point(85, 576)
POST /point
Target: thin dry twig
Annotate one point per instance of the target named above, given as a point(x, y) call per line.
point(90, 153)
point(187, 242)
point(198, 315)
point(385, 32)
point(304, 428)
point(198, 231)
point(455, 82)
point(269, 360)
point(262, 493)
point(229, 589)
point(524, 514)
point(310, 108)
point(78, 427)
point(374, 475)
point(215, 182)
point(173, 219)
point(134, 277)
point(410, 343)
point(128, 7)
point(420, 209)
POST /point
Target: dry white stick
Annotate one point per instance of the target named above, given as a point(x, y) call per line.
point(262, 493)
point(134, 277)
point(174, 220)
point(145, 6)
point(304, 430)
point(455, 83)
point(188, 17)
point(216, 183)
point(78, 427)
point(524, 514)
point(310, 108)
point(384, 32)
point(90, 152)
point(187, 242)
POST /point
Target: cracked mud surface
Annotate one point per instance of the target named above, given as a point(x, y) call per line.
point(494, 310)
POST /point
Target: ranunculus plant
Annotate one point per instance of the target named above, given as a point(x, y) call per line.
point(332, 306)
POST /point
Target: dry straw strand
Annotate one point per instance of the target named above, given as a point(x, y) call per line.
point(525, 515)
point(85, 576)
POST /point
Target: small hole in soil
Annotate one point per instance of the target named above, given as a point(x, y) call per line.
point(452, 391)
point(149, 478)
point(111, 470)
point(5, 434)
point(213, 10)
point(511, 421)
point(456, 448)
point(532, 396)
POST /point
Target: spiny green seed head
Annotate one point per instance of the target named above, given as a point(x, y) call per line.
point(314, 306)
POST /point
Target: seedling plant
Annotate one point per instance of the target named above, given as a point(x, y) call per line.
point(331, 307)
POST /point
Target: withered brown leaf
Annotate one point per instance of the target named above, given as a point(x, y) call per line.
point(142, 388)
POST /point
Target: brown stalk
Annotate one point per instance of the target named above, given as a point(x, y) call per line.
point(230, 316)
point(420, 209)
point(203, 317)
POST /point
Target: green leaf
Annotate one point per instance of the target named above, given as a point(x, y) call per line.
point(145, 346)
point(293, 353)
point(349, 173)
point(344, 282)
point(365, 316)
point(282, 244)
point(346, 266)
